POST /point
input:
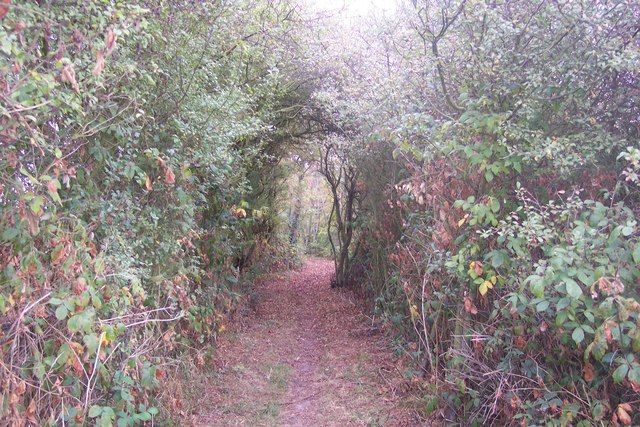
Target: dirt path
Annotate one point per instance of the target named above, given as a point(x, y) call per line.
point(306, 358)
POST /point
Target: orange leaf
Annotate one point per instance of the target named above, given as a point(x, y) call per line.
point(587, 372)
point(99, 68)
point(169, 176)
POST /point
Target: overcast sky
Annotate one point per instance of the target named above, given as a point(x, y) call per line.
point(354, 7)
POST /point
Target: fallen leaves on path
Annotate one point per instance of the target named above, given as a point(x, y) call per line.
point(307, 358)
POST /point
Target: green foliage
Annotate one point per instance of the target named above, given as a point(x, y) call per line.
point(130, 135)
point(512, 281)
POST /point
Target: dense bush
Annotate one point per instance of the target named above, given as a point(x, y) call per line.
point(130, 135)
point(502, 243)
point(482, 167)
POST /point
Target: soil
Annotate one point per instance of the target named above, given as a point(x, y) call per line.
point(306, 356)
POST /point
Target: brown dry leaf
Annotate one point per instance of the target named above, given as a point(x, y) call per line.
point(111, 40)
point(69, 76)
point(57, 255)
point(587, 372)
point(32, 220)
point(79, 419)
point(92, 249)
point(12, 159)
point(21, 387)
point(13, 399)
point(81, 285)
point(99, 68)
point(515, 402)
point(608, 334)
point(521, 342)
point(4, 8)
point(169, 176)
point(31, 412)
point(469, 306)
point(78, 38)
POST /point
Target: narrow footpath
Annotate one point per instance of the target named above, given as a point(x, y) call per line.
point(305, 357)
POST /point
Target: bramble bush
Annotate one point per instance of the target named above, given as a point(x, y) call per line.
point(128, 131)
point(503, 247)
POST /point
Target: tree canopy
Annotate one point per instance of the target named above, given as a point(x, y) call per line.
point(480, 168)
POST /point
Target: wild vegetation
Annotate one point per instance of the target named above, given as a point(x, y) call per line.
point(139, 142)
point(479, 163)
point(502, 243)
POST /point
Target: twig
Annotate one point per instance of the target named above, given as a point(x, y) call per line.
point(93, 372)
point(180, 316)
point(303, 399)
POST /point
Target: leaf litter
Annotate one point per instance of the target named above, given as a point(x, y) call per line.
point(306, 356)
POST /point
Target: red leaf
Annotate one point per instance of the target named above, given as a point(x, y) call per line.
point(52, 187)
point(4, 8)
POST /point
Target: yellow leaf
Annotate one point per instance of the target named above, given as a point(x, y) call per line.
point(414, 311)
point(494, 279)
point(103, 339)
point(462, 221)
point(147, 183)
point(483, 288)
point(221, 328)
point(488, 284)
